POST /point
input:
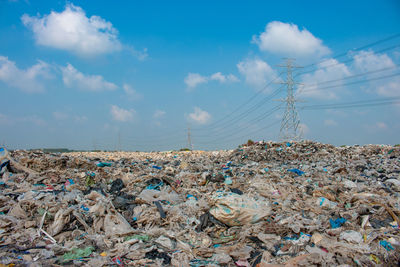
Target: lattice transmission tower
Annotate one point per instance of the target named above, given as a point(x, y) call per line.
point(290, 129)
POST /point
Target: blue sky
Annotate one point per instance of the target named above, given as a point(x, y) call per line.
point(135, 76)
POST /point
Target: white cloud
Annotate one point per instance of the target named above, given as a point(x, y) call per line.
point(366, 61)
point(120, 114)
point(218, 76)
point(286, 39)
point(390, 89)
point(314, 83)
point(194, 79)
point(33, 119)
point(330, 122)
point(4, 118)
point(159, 114)
point(141, 55)
point(60, 115)
point(303, 128)
point(199, 116)
point(30, 80)
point(80, 119)
point(73, 78)
point(257, 72)
point(131, 93)
point(73, 31)
point(381, 125)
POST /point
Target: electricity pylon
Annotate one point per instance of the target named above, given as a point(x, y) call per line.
point(290, 120)
point(190, 145)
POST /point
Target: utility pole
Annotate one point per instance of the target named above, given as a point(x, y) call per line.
point(119, 140)
point(94, 144)
point(189, 139)
point(290, 120)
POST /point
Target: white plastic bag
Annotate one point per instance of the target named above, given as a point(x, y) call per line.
point(233, 209)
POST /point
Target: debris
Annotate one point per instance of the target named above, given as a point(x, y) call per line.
point(77, 253)
point(337, 223)
point(268, 204)
point(116, 186)
point(351, 236)
point(160, 209)
point(233, 209)
point(296, 171)
point(154, 254)
point(386, 245)
point(104, 164)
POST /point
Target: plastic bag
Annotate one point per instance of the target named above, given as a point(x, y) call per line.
point(233, 209)
point(115, 224)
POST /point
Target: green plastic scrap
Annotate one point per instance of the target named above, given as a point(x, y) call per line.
point(78, 253)
point(139, 237)
point(89, 181)
point(41, 211)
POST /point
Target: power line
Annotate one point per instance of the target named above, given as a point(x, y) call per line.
point(242, 105)
point(248, 134)
point(351, 83)
point(353, 76)
point(357, 49)
point(263, 116)
point(346, 61)
point(241, 116)
point(360, 103)
point(233, 133)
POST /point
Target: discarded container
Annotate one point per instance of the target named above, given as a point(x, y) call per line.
point(296, 171)
point(233, 209)
point(78, 253)
point(337, 223)
point(104, 164)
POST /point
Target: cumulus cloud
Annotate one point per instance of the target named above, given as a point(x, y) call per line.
point(330, 122)
point(366, 61)
point(159, 114)
point(286, 39)
point(30, 80)
point(123, 115)
point(131, 93)
point(303, 128)
point(60, 115)
point(390, 89)
point(199, 116)
point(218, 76)
point(257, 72)
point(73, 31)
point(194, 79)
point(4, 118)
point(141, 55)
point(73, 78)
point(34, 119)
point(80, 119)
point(328, 70)
point(381, 125)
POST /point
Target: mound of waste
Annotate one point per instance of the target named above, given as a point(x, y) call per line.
point(267, 204)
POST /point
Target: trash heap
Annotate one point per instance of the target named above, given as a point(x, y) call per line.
point(268, 204)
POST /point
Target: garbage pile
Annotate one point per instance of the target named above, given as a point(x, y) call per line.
point(267, 204)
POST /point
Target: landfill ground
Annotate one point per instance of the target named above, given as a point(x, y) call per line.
point(267, 204)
